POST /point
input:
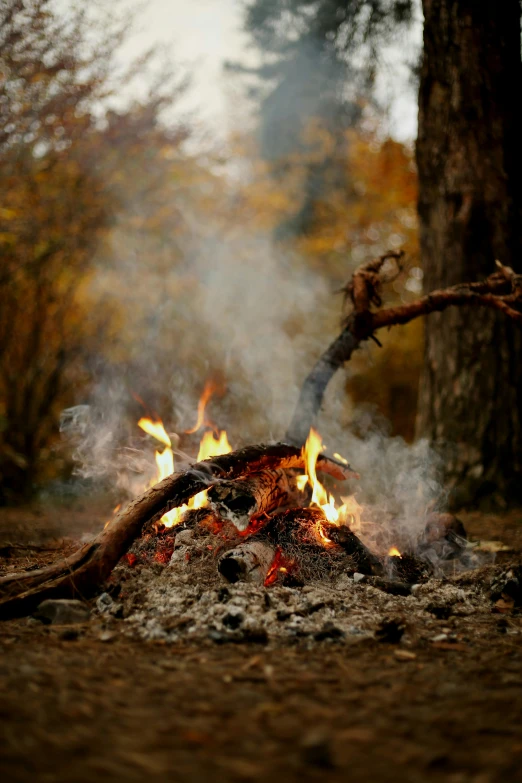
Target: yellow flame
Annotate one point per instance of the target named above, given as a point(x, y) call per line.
point(350, 513)
point(210, 446)
point(301, 482)
point(394, 552)
point(320, 497)
point(165, 464)
point(156, 429)
point(341, 459)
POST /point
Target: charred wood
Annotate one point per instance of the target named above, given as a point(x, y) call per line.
point(366, 562)
point(248, 562)
point(390, 586)
point(445, 538)
point(408, 568)
point(306, 551)
point(263, 492)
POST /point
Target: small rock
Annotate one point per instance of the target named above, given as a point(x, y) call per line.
point(357, 577)
point(104, 602)
point(106, 636)
point(508, 586)
point(441, 637)
point(62, 611)
point(217, 636)
point(106, 605)
point(404, 655)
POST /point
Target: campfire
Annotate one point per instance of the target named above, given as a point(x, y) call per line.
point(284, 526)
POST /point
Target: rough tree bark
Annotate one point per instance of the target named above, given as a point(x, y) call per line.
point(470, 207)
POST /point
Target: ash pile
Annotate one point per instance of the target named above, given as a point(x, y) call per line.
point(241, 570)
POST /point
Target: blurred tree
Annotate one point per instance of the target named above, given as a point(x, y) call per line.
point(318, 65)
point(62, 181)
point(469, 158)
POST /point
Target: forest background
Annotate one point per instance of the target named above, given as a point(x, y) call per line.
point(141, 256)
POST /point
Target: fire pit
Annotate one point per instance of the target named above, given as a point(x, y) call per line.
point(261, 517)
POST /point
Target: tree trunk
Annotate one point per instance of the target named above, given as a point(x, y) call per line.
point(470, 175)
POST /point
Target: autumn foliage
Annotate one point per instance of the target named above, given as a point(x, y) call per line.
point(105, 212)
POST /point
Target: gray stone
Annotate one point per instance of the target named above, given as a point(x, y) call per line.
point(104, 602)
point(106, 605)
point(358, 577)
point(62, 611)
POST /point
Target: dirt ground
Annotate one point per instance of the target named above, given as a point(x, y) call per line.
point(76, 708)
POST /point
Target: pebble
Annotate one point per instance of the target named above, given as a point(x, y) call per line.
point(358, 577)
point(404, 655)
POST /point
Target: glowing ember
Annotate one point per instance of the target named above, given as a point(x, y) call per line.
point(394, 552)
point(280, 565)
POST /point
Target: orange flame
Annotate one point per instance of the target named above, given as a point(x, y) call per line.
point(394, 552)
point(211, 387)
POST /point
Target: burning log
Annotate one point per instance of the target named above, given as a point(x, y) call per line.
point(248, 562)
point(82, 573)
point(263, 492)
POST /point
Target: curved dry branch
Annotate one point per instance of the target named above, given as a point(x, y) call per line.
point(501, 291)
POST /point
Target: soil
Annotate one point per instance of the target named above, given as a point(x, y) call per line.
point(89, 702)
